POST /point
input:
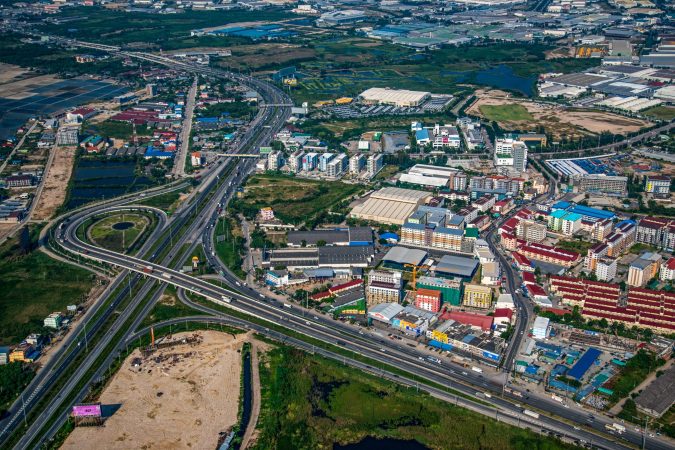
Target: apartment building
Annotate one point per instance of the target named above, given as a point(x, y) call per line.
point(601, 184)
point(643, 269)
point(531, 231)
point(656, 231)
point(667, 272)
point(546, 253)
point(434, 227)
point(337, 166)
point(357, 163)
point(374, 164)
point(428, 300)
point(564, 222)
point(295, 161)
point(449, 288)
point(477, 296)
point(511, 153)
point(383, 286)
point(605, 269)
point(657, 184)
point(485, 203)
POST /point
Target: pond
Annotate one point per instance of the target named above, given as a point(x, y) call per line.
point(370, 443)
point(99, 179)
point(501, 77)
point(122, 226)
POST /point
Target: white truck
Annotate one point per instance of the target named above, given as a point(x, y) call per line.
point(557, 398)
point(226, 299)
point(533, 414)
point(616, 427)
point(476, 369)
point(166, 275)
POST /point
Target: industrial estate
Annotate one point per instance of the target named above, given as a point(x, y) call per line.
point(337, 224)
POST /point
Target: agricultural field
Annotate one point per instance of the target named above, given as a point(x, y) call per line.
point(295, 200)
point(313, 403)
point(119, 232)
point(34, 285)
point(143, 30)
point(115, 130)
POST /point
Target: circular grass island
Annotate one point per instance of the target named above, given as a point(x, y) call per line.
point(120, 232)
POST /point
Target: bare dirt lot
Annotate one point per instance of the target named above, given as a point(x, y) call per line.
point(558, 120)
point(183, 401)
point(55, 183)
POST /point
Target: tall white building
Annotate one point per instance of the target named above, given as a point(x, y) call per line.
point(337, 166)
point(511, 153)
point(374, 164)
point(295, 161)
point(274, 161)
point(605, 270)
point(357, 163)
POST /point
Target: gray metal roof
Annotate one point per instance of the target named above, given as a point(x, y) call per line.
point(402, 255)
point(457, 265)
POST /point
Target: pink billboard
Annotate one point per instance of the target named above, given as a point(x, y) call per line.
point(87, 410)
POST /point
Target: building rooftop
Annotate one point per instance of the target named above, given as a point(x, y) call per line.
point(659, 396)
point(457, 265)
point(403, 255)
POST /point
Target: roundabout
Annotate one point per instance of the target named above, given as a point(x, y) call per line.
point(120, 231)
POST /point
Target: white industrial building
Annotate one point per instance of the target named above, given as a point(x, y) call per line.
point(396, 97)
point(390, 205)
point(540, 327)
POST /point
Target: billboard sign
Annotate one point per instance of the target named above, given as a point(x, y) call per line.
point(93, 410)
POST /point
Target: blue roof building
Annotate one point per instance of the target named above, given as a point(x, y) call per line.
point(585, 362)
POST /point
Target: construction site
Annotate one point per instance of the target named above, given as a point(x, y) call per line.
point(181, 392)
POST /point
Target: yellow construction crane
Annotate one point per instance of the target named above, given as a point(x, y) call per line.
point(415, 267)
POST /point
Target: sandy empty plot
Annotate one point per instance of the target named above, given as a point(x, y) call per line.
point(558, 120)
point(55, 183)
point(9, 72)
point(171, 405)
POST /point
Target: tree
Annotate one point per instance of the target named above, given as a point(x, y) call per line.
point(320, 243)
point(602, 323)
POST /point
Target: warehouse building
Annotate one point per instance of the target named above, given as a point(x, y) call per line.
point(657, 398)
point(456, 266)
point(390, 205)
point(331, 256)
point(395, 97)
point(338, 236)
point(398, 257)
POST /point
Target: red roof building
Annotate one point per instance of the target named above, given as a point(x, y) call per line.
point(475, 320)
point(345, 287)
point(529, 278)
point(428, 300)
point(553, 255)
point(522, 262)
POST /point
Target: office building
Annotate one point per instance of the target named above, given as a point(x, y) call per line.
point(605, 269)
point(383, 286)
point(433, 227)
point(477, 296)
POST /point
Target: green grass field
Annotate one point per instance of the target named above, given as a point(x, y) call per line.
point(575, 246)
point(168, 307)
point(666, 113)
point(166, 202)
point(309, 402)
point(104, 233)
point(506, 113)
point(116, 130)
point(229, 247)
point(295, 200)
point(34, 285)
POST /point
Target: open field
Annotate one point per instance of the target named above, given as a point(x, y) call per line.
point(313, 403)
point(230, 244)
point(525, 115)
point(167, 202)
point(504, 113)
point(118, 232)
point(183, 401)
point(295, 200)
point(55, 183)
point(660, 112)
point(34, 285)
